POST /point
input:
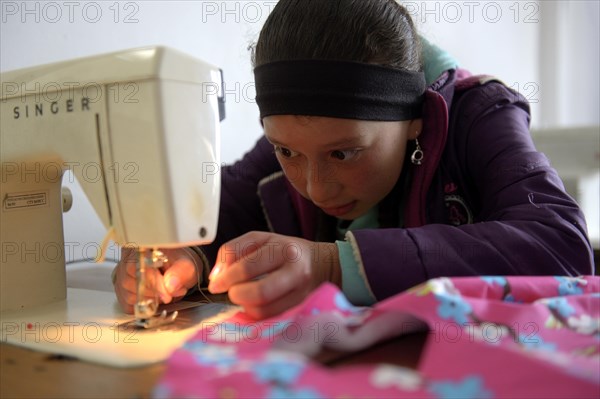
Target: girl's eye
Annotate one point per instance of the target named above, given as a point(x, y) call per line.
point(344, 155)
point(285, 152)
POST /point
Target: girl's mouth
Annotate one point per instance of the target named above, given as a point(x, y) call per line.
point(340, 210)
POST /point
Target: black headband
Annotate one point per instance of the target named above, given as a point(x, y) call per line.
point(341, 89)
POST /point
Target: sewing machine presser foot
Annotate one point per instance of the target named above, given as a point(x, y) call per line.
point(157, 320)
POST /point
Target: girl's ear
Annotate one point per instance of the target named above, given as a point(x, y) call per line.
point(415, 127)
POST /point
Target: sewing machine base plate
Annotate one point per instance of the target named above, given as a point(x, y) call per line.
point(89, 325)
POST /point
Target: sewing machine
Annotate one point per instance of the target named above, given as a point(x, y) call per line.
point(140, 131)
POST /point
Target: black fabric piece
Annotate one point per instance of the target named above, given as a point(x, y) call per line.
point(341, 89)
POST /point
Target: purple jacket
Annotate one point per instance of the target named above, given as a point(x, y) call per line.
point(483, 202)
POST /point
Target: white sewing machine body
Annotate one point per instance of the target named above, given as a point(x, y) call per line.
point(140, 131)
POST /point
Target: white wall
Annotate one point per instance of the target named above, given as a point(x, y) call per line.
point(569, 59)
point(497, 38)
point(514, 40)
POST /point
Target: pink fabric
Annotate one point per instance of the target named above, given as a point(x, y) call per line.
point(489, 337)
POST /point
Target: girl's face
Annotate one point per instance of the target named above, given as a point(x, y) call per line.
point(344, 166)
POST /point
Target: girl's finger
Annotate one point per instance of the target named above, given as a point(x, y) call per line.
point(268, 257)
point(266, 290)
point(277, 307)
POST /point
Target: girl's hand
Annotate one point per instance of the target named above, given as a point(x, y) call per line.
point(180, 274)
point(267, 273)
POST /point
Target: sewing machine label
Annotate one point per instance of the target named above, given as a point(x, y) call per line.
point(24, 200)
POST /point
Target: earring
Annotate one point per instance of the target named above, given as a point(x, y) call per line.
point(417, 156)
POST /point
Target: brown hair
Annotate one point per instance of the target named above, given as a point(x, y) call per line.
point(371, 31)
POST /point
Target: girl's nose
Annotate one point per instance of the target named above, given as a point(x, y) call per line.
point(321, 184)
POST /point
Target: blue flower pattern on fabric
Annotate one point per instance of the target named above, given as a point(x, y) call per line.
point(453, 307)
point(285, 375)
point(534, 342)
point(471, 387)
point(511, 298)
point(561, 306)
point(211, 355)
point(281, 371)
point(501, 281)
point(285, 393)
point(568, 286)
point(342, 303)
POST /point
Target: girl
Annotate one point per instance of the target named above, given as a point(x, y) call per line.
point(382, 165)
